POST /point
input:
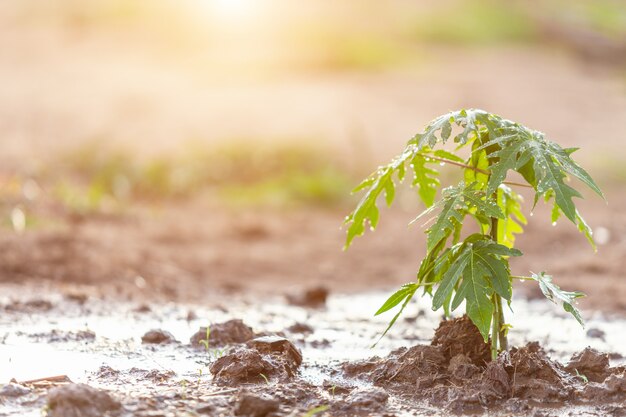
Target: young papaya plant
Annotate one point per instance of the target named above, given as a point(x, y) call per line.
point(475, 269)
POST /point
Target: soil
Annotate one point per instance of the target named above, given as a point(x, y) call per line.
point(118, 373)
point(518, 381)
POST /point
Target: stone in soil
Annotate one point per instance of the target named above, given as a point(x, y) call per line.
point(269, 357)
point(250, 405)
point(80, 400)
point(158, 337)
point(222, 334)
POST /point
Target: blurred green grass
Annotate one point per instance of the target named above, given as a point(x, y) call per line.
point(91, 179)
point(474, 22)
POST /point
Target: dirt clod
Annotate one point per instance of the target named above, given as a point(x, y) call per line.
point(313, 297)
point(80, 400)
point(157, 337)
point(418, 365)
point(460, 336)
point(277, 346)
point(221, 334)
point(537, 377)
point(461, 367)
point(264, 357)
point(596, 333)
point(362, 402)
point(255, 405)
point(496, 383)
point(300, 328)
point(590, 363)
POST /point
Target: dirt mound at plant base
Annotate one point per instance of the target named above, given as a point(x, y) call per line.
point(457, 378)
point(460, 336)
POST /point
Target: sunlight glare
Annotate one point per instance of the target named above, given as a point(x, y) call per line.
point(231, 10)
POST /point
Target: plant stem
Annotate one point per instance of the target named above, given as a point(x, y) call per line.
point(459, 164)
point(495, 327)
point(521, 278)
point(498, 333)
point(503, 343)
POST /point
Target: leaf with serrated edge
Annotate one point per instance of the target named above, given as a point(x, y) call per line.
point(555, 294)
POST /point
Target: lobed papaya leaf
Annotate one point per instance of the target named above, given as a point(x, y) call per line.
point(477, 269)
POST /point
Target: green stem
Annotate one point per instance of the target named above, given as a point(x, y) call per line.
point(499, 340)
point(521, 278)
point(495, 327)
point(502, 337)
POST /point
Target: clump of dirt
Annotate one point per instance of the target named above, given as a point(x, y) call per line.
point(80, 400)
point(256, 405)
point(362, 402)
point(460, 336)
point(261, 359)
point(312, 297)
point(222, 334)
point(461, 367)
point(590, 363)
point(158, 337)
point(536, 377)
point(419, 365)
point(300, 328)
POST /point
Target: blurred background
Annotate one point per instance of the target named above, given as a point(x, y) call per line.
point(168, 142)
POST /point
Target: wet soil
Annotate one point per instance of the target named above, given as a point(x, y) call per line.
point(277, 369)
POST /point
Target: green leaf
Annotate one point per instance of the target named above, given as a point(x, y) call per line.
point(477, 268)
point(584, 228)
point(543, 163)
point(439, 130)
point(555, 294)
point(450, 279)
point(425, 178)
point(479, 161)
point(562, 156)
point(395, 318)
point(477, 294)
point(442, 153)
point(455, 204)
point(510, 204)
point(396, 298)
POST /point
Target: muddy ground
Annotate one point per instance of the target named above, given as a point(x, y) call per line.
point(121, 303)
point(72, 354)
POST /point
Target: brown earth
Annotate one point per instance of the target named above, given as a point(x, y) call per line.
point(197, 250)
